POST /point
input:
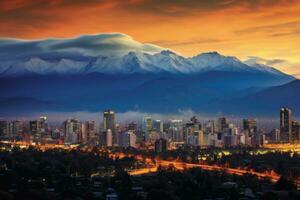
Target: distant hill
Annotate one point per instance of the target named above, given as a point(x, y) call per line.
point(266, 102)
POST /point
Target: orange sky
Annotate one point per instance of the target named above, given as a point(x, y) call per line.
point(268, 29)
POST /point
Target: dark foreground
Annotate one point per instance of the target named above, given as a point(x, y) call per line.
point(74, 174)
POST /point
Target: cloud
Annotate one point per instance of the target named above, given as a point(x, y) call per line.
point(275, 29)
point(85, 45)
point(186, 42)
point(283, 34)
point(179, 7)
point(268, 62)
point(44, 11)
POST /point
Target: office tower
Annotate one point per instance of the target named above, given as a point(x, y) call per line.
point(285, 125)
point(262, 140)
point(175, 132)
point(158, 126)
point(160, 145)
point(191, 131)
point(222, 124)
point(132, 127)
point(88, 132)
point(147, 123)
point(42, 125)
point(295, 131)
point(275, 135)
point(33, 126)
point(109, 138)
point(132, 139)
point(109, 120)
point(241, 139)
point(210, 127)
point(109, 123)
point(16, 128)
point(3, 128)
point(72, 128)
point(127, 139)
point(147, 126)
point(200, 137)
point(250, 125)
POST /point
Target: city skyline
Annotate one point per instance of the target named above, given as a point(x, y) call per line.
point(150, 99)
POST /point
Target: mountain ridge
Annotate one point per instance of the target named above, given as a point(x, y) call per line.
point(110, 54)
point(96, 72)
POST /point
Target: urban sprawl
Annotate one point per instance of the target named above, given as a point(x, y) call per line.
point(152, 133)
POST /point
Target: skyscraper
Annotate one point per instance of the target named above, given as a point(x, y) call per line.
point(16, 128)
point(109, 120)
point(3, 128)
point(192, 131)
point(160, 145)
point(158, 126)
point(109, 138)
point(250, 125)
point(127, 139)
point(132, 127)
point(88, 132)
point(222, 124)
point(285, 125)
point(295, 130)
point(109, 123)
point(175, 132)
point(42, 124)
point(33, 125)
point(147, 126)
point(72, 129)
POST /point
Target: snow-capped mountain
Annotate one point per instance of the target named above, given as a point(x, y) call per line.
point(110, 54)
point(95, 72)
point(40, 66)
point(133, 62)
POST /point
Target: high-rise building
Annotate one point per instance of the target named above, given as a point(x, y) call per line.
point(147, 126)
point(3, 128)
point(147, 123)
point(109, 120)
point(72, 130)
point(175, 132)
point(42, 125)
point(16, 128)
point(132, 127)
point(33, 126)
point(160, 145)
point(295, 131)
point(222, 124)
point(275, 135)
point(127, 139)
point(191, 131)
point(158, 126)
point(250, 125)
point(88, 132)
point(109, 123)
point(109, 138)
point(285, 125)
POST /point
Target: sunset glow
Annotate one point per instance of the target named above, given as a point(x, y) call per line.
point(267, 30)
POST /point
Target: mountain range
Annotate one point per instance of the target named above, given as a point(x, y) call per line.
point(94, 72)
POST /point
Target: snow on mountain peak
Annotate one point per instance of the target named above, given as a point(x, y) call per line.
point(109, 53)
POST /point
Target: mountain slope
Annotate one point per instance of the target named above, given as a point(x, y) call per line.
point(111, 54)
point(94, 72)
point(266, 102)
point(163, 93)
